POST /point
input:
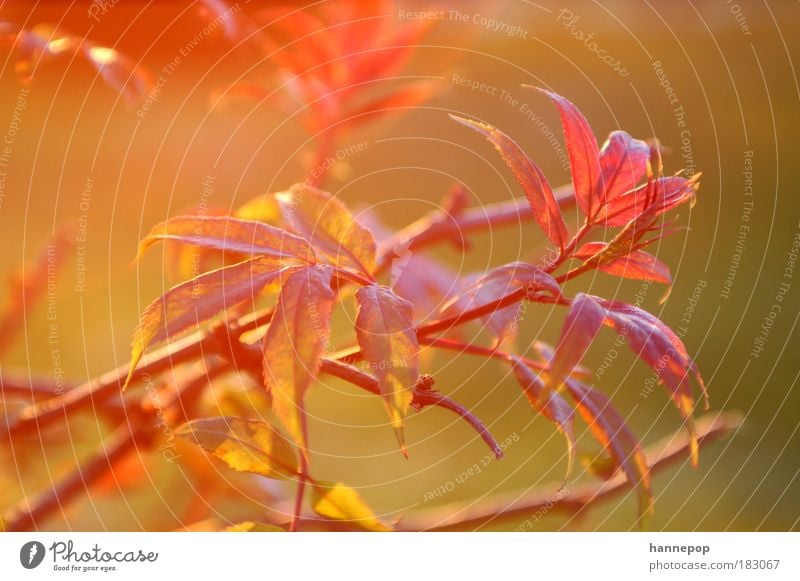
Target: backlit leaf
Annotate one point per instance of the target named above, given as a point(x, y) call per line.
point(581, 326)
point(638, 265)
point(661, 195)
point(388, 340)
point(495, 285)
point(658, 346)
point(609, 428)
point(329, 225)
point(294, 344)
point(548, 403)
point(198, 300)
point(336, 501)
point(253, 527)
point(530, 177)
point(230, 234)
point(584, 155)
point(623, 162)
point(244, 445)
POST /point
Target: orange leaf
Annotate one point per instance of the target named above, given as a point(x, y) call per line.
point(329, 225)
point(638, 265)
point(388, 340)
point(294, 345)
point(230, 234)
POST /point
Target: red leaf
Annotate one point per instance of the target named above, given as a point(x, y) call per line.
point(659, 347)
point(294, 345)
point(638, 265)
point(623, 162)
point(388, 340)
point(659, 196)
point(584, 156)
point(495, 285)
point(548, 403)
point(328, 224)
point(198, 300)
point(530, 177)
point(581, 326)
point(609, 428)
point(230, 234)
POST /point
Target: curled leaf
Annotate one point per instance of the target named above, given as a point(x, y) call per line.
point(388, 340)
point(548, 403)
point(336, 501)
point(244, 445)
point(530, 177)
point(657, 196)
point(495, 285)
point(294, 345)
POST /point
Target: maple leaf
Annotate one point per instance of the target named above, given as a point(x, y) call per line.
point(294, 344)
point(536, 187)
point(388, 340)
point(330, 227)
point(609, 428)
point(197, 300)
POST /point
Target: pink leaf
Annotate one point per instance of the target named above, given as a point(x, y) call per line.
point(581, 326)
point(659, 196)
point(609, 428)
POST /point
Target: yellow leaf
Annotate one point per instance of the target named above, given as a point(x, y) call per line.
point(294, 345)
point(336, 501)
point(252, 527)
point(244, 445)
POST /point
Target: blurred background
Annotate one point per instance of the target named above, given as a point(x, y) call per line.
point(714, 81)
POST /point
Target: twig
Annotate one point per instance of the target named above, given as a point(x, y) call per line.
point(472, 515)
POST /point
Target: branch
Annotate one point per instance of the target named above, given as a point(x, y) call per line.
point(428, 231)
point(475, 514)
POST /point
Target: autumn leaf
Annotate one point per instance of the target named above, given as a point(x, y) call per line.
point(584, 155)
point(44, 43)
point(609, 428)
point(580, 328)
point(548, 403)
point(336, 501)
point(230, 234)
point(329, 226)
point(659, 195)
point(244, 445)
point(623, 162)
point(658, 346)
point(198, 300)
point(496, 284)
point(530, 177)
point(635, 264)
point(294, 344)
point(388, 340)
